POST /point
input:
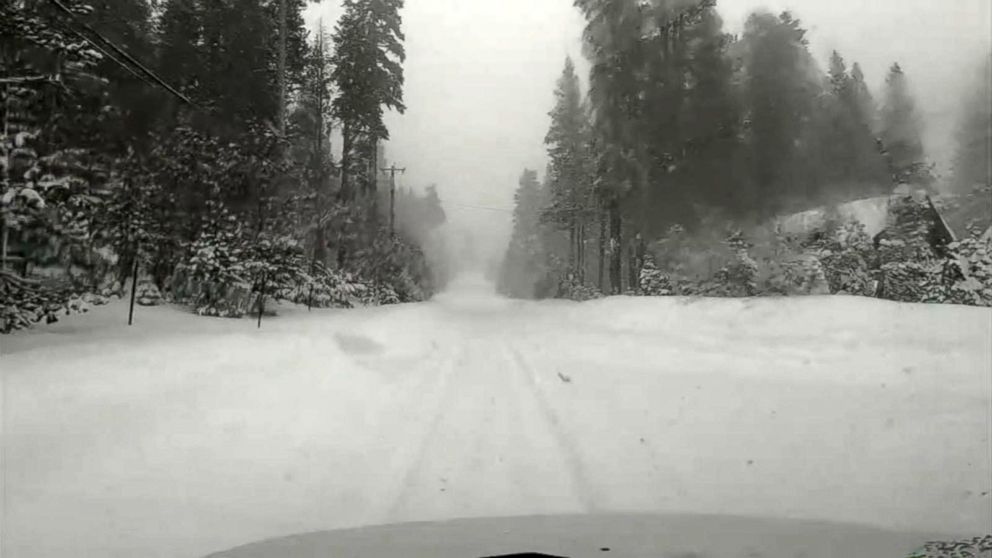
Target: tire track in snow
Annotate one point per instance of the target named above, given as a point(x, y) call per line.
point(492, 447)
point(415, 453)
point(587, 493)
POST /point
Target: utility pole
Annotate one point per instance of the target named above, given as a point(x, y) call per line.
point(392, 195)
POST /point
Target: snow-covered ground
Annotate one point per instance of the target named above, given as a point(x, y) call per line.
point(184, 435)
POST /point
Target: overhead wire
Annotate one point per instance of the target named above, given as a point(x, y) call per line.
point(103, 51)
point(121, 52)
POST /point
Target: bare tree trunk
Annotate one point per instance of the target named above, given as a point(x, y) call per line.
point(347, 139)
point(3, 254)
point(571, 246)
point(282, 67)
point(632, 270)
point(581, 246)
point(344, 194)
point(6, 134)
point(616, 247)
point(602, 251)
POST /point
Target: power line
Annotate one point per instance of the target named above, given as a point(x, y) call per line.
point(121, 52)
point(468, 206)
point(104, 52)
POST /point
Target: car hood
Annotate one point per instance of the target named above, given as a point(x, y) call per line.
point(602, 536)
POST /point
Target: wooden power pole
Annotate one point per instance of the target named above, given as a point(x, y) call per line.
point(392, 195)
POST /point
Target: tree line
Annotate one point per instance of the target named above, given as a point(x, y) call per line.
point(683, 124)
point(189, 142)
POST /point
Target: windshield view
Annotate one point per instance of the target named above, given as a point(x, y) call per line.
point(495, 278)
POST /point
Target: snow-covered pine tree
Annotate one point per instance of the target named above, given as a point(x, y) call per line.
point(972, 163)
point(50, 182)
point(572, 203)
point(900, 132)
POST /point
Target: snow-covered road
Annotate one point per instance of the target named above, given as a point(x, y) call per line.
point(183, 436)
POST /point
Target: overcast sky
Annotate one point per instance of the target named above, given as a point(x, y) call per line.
point(480, 76)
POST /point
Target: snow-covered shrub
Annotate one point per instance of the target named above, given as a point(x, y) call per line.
point(690, 261)
point(738, 277)
point(110, 287)
point(796, 275)
point(94, 299)
point(653, 281)
point(965, 275)
point(909, 281)
point(214, 280)
point(910, 268)
point(326, 288)
point(147, 293)
point(227, 269)
point(379, 294)
point(582, 293)
point(846, 255)
point(24, 302)
point(570, 288)
point(391, 261)
point(784, 268)
point(978, 547)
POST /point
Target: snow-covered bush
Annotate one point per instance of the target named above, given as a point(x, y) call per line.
point(910, 265)
point(965, 275)
point(846, 255)
point(909, 281)
point(397, 266)
point(653, 281)
point(147, 293)
point(692, 261)
point(797, 275)
point(738, 277)
point(214, 279)
point(977, 547)
point(24, 302)
point(784, 266)
point(109, 286)
point(570, 288)
point(325, 288)
point(379, 294)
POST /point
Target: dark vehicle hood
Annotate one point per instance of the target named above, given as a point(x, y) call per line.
point(603, 536)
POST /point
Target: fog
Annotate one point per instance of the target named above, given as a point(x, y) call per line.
point(480, 76)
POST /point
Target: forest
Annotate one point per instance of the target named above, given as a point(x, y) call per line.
point(184, 148)
point(671, 171)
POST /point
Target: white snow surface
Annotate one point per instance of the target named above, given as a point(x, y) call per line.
point(185, 435)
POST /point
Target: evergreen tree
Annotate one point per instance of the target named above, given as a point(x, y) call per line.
point(851, 166)
point(781, 87)
point(50, 183)
point(180, 41)
point(134, 103)
point(973, 156)
point(900, 131)
point(570, 181)
point(523, 266)
point(709, 170)
point(311, 124)
point(867, 111)
point(225, 55)
point(613, 45)
point(368, 73)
